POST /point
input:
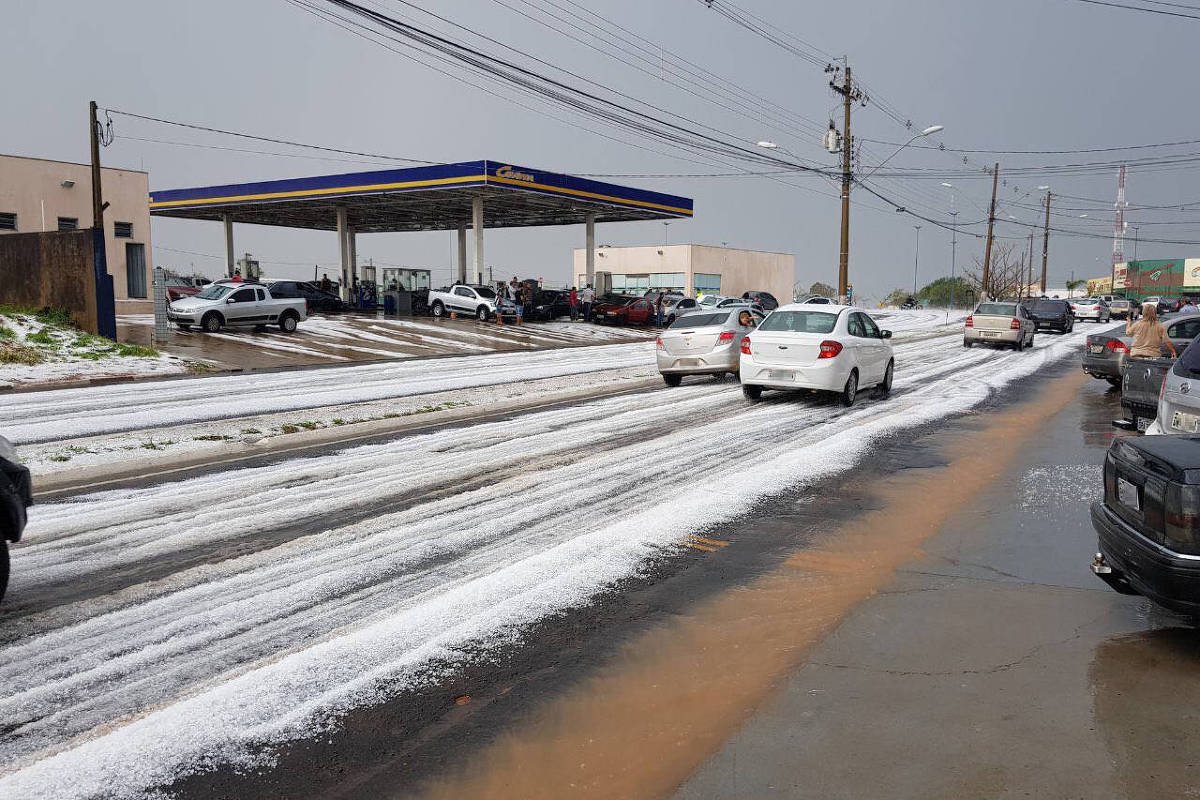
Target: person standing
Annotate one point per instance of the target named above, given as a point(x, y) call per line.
point(573, 298)
point(658, 308)
point(588, 297)
point(1189, 306)
point(1149, 335)
point(325, 284)
point(237, 276)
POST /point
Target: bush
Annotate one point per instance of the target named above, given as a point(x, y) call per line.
point(14, 353)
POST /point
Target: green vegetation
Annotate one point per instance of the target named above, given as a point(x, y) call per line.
point(822, 290)
point(41, 337)
point(251, 430)
point(212, 437)
point(339, 421)
point(289, 428)
point(150, 444)
point(938, 293)
point(7, 333)
point(15, 353)
point(136, 350)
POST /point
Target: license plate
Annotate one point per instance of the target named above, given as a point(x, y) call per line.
point(1143, 423)
point(1183, 421)
point(990, 334)
point(781, 375)
point(1127, 493)
point(1097, 349)
point(689, 362)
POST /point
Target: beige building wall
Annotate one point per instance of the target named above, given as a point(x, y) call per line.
point(32, 188)
point(740, 270)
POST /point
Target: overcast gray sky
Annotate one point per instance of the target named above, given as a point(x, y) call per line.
point(1015, 75)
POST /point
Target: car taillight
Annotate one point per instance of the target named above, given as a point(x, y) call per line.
point(1116, 344)
point(1181, 518)
point(970, 322)
point(830, 349)
point(746, 345)
point(1015, 324)
point(726, 336)
point(658, 344)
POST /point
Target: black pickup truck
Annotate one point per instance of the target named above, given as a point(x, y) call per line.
point(1141, 382)
point(16, 495)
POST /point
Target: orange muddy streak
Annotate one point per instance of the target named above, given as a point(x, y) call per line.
point(674, 694)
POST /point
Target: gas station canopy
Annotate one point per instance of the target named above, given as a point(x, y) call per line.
point(440, 197)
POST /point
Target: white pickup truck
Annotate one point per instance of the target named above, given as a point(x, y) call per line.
point(475, 301)
point(226, 304)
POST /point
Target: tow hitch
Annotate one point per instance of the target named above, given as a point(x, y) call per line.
point(1115, 580)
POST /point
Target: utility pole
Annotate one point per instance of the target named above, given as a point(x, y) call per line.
point(849, 95)
point(97, 195)
point(916, 259)
point(987, 253)
point(1046, 244)
point(1029, 262)
point(953, 247)
point(106, 312)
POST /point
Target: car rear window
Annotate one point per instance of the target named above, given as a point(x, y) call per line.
point(1188, 365)
point(1049, 305)
point(997, 309)
point(699, 320)
point(799, 321)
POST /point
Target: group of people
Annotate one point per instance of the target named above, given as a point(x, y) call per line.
point(519, 294)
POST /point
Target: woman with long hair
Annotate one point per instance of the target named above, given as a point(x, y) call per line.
point(1149, 335)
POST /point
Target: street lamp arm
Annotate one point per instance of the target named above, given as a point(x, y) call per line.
point(930, 130)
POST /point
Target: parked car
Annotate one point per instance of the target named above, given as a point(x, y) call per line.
point(1147, 524)
point(817, 300)
point(1160, 303)
point(1092, 308)
point(999, 323)
point(1141, 384)
point(226, 304)
point(16, 495)
point(550, 304)
point(317, 299)
point(180, 286)
point(711, 300)
point(1050, 314)
point(625, 311)
point(474, 301)
point(1177, 409)
point(910, 303)
point(824, 347)
point(1104, 354)
point(765, 300)
point(1120, 308)
point(705, 342)
point(676, 305)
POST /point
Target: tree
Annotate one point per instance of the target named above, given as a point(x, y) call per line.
point(819, 289)
point(1073, 285)
point(896, 297)
point(1007, 274)
point(940, 292)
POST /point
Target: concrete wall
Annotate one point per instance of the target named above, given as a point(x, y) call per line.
point(50, 270)
point(740, 270)
point(32, 188)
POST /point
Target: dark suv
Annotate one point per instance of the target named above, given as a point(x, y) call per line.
point(317, 298)
point(16, 495)
point(1050, 314)
point(765, 300)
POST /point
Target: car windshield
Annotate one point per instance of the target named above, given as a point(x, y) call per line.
point(1048, 305)
point(484, 291)
point(1188, 364)
point(799, 321)
point(710, 300)
point(997, 309)
point(214, 291)
point(700, 320)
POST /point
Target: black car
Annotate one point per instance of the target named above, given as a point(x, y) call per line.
point(550, 304)
point(317, 298)
point(16, 495)
point(765, 300)
point(1048, 313)
point(1148, 526)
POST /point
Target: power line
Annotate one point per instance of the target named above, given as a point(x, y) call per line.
point(1145, 10)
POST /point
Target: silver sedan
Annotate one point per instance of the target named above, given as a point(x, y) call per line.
point(704, 342)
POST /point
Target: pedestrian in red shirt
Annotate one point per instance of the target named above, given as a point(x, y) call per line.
point(574, 299)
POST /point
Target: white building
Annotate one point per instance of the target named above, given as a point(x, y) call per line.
point(692, 268)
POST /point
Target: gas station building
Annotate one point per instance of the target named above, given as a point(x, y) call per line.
point(472, 195)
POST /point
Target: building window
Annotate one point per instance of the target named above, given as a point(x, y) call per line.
point(707, 283)
point(8, 222)
point(68, 223)
point(123, 230)
point(667, 280)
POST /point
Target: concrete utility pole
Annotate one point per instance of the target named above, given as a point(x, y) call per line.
point(97, 194)
point(953, 248)
point(849, 94)
point(987, 252)
point(1029, 282)
point(1046, 244)
point(916, 259)
point(106, 312)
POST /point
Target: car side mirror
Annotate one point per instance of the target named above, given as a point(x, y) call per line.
point(230, 300)
point(885, 334)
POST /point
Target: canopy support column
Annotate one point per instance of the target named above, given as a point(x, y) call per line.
point(344, 252)
point(462, 254)
point(229, 258)
point(590, 224)
point(477, 223)
point(352, 244)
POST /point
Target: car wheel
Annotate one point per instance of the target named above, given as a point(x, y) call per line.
point(183, 326)
point(1019, 344)
point(287, 323)
point(751, 392)
point(886, 386)
point(672, 380)
point(850, 390)
point(211, 322)
point(737, 376)
point(438, 309)
point(481, 313)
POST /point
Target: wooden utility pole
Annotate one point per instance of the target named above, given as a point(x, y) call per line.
point(987, 253)
point(849, 95)
point(1046, 243)
point(97, 195)
point(1029, 282)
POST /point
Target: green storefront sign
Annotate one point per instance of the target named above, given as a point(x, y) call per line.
point(1160, 277)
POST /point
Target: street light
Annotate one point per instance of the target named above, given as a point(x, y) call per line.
point(953, 244)
point(932, 129)
point(916, 259)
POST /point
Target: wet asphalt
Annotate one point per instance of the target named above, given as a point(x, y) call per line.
point(995, 665)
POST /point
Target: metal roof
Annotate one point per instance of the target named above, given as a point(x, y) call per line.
point(422, 199)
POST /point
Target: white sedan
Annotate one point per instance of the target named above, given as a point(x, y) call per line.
point(826, 347)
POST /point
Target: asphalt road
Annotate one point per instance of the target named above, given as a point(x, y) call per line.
point(156, 632)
